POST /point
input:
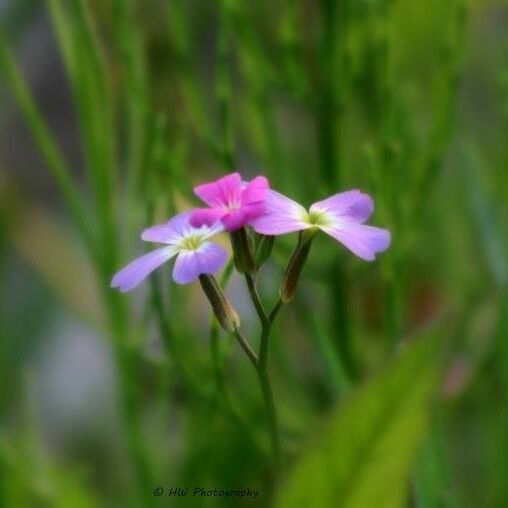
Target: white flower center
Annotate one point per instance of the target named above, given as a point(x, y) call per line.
point(232, 206)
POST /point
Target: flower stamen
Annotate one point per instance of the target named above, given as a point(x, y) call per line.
point(191, 242)
point(316, 218)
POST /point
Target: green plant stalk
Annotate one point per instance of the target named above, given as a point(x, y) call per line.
point(431, 474)
point(334, 368)
point(259, 80)
point(189, 83)
point(97, 123)
point(292, 49)
point(328, 115)
point(167, 334)
point(85, 67)
point(221, 386)
point(223, 396)
point(328, 102)
point(392, 285)
point(55, 161)
point(130, 49)
point(223, 85)
point(104, 257)
point(263, 373)
point(258, 119)
point(266, 388)
point(444, 116)
point(502, 339)
point(127, 360)
point(94, 103)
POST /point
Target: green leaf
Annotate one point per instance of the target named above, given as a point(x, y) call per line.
point(364, 454)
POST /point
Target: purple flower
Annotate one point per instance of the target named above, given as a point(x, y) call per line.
point(195, 255)
point(341, 216)
point(230, 200)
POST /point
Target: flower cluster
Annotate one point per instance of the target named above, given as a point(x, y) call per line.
point(233, 204)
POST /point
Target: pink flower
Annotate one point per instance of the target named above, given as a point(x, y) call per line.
point(341, 216)
point(233, 202)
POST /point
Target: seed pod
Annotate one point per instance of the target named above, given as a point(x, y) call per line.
point(294, 268)
point(242, 251)
point(224, 312)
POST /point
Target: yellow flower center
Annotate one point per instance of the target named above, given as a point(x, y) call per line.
point(191, 242)
point(316, 218)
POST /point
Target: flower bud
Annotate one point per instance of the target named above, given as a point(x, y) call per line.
point(263, 249)
point(294, 267)
point(242, 251)
point(224, 312)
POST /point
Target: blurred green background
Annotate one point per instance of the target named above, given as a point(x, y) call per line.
point(391, 379)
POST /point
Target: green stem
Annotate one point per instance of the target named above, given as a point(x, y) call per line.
point(260, 363)
point(253, 357)
point(256, 299)
point(266, 388)
point(223, 85)
point(127, 362)
point(56, 164)
point(223, 395)
point(328, 102)
point(168, 337)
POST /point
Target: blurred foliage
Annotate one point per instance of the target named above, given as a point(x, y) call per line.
point(406, 100)
point(362, 457)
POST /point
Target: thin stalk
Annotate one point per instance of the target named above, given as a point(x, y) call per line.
point(130, 48)
point(328, 102)
point(260, 363)
point(253, 357)
point(266, 388)
point(502, 339)
point(181, 39)
point(256, 299)
point(55, 161)
point(223, 395)
point(223, 84)
point(328, 114)
point(103, 254)
point(262, 368)
point(332, 361)
point(168, 338)
point(127, 362)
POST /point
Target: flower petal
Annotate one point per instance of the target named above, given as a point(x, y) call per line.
point(170, 232)
point(235, 220)
point(222, 192)
point(362, 240)
point(352, 205)
point(209, 231)
point(190, 264)
point(238, 218)
point(282, 215)
point(139, 269)
point(206, 216)
point(255, 190)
